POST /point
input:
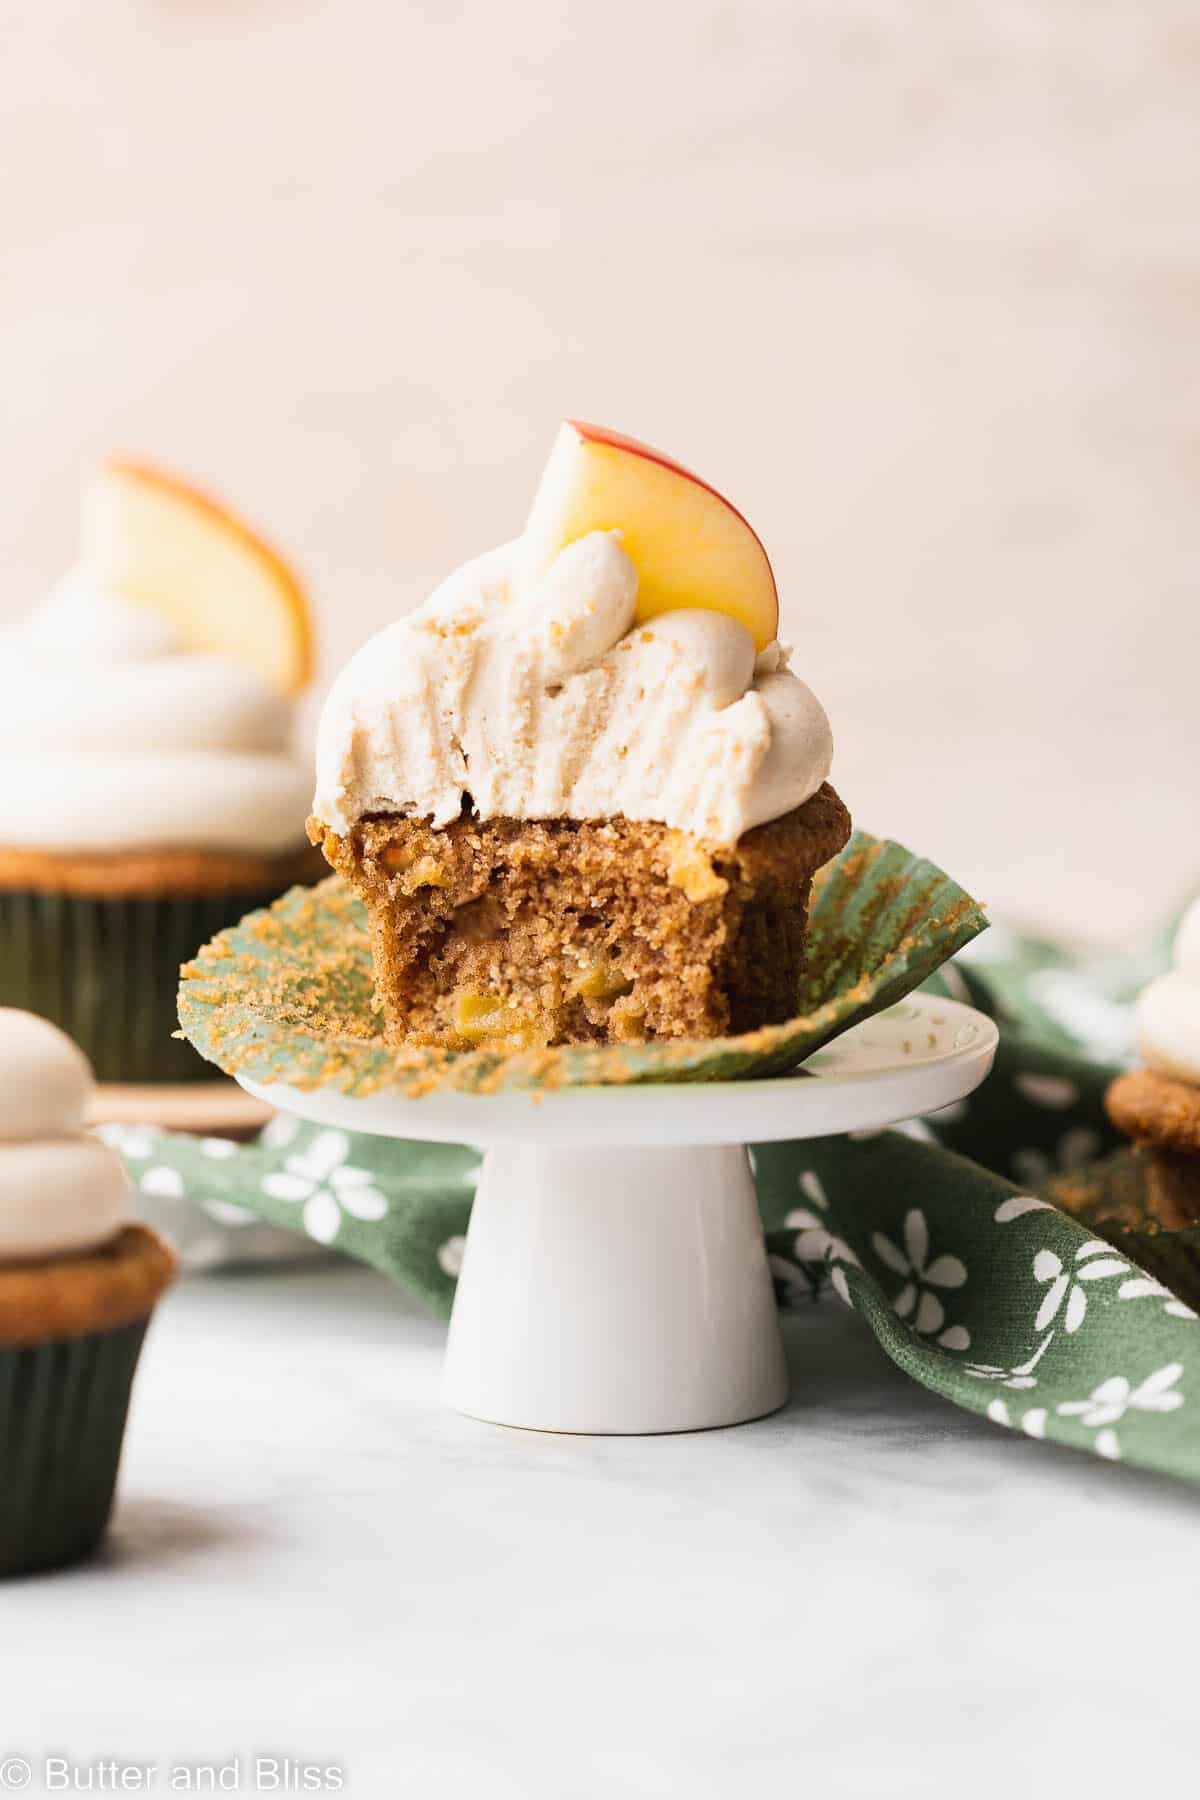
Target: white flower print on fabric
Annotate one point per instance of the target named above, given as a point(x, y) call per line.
point(916, 1129)
point(1078, 1145)
point(812, 1187)
point(1018, 1206)
point(1054, 1092)
point(1020, 1376)
point(218, 1148)
point(792, 1285)
point(163, 1182)
point(1094, 1261)
point(816, 1245)
point(320, 1179)
point(228, 1212)
point(1142, 1287)
point(279, 1132)
point(1032, 1421)
point(137, 1142)
point(916, 1299)
point(1108, 1403)
point(450, 1256)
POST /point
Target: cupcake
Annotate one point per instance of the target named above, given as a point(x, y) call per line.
point(148, 792)
point(77, 1286)
point(1158, 1106)
point(580, 793)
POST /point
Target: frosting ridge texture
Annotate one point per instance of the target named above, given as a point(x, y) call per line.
point(545, 702)
point(112, 739)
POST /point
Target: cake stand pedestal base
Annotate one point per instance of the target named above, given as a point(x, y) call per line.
point(615, 1291)
point(615, 1277)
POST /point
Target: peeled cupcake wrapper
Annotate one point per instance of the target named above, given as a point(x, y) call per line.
point(287, 994)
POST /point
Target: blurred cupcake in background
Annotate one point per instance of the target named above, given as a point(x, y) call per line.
point(149, 793)
point(78, 1283)
point(1158, 1106)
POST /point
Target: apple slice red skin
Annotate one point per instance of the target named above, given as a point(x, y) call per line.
point(621, 440)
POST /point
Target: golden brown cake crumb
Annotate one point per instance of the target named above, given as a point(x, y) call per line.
point(528, 933)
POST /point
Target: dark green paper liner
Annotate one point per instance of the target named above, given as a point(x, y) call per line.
point(63, 1406)
point(287, 995)
point(107, 971)
point(1110, 1198)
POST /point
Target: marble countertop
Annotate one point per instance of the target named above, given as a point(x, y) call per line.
point(869, 1594)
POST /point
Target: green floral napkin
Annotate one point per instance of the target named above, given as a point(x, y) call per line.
point(935, 1232)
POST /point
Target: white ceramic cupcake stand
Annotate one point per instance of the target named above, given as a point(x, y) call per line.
point(615, 1277)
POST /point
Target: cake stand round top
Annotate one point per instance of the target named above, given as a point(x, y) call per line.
point(920, 1055)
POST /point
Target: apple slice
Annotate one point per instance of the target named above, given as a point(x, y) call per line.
point(162, 544)
point(689, 545)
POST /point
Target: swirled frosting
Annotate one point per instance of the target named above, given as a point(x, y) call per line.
point(61, 1190)
point(550, 703)
point(113, 738)
point(1168, 1011)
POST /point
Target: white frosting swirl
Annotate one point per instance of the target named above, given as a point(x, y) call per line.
point(113, 739)
point(61, 1190)
point(549, 703)
point(1167, 1020)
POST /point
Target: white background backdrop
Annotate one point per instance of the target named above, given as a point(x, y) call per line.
point(917, 285)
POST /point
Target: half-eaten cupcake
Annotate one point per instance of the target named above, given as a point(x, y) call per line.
point(579, 791)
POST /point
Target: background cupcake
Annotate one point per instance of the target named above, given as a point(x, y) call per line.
point(1158, 1106)
point(77, 1286)
point(149, 795)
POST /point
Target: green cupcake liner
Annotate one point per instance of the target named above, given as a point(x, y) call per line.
point(287, 995)
point(107, 971)
point(63, 1406)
